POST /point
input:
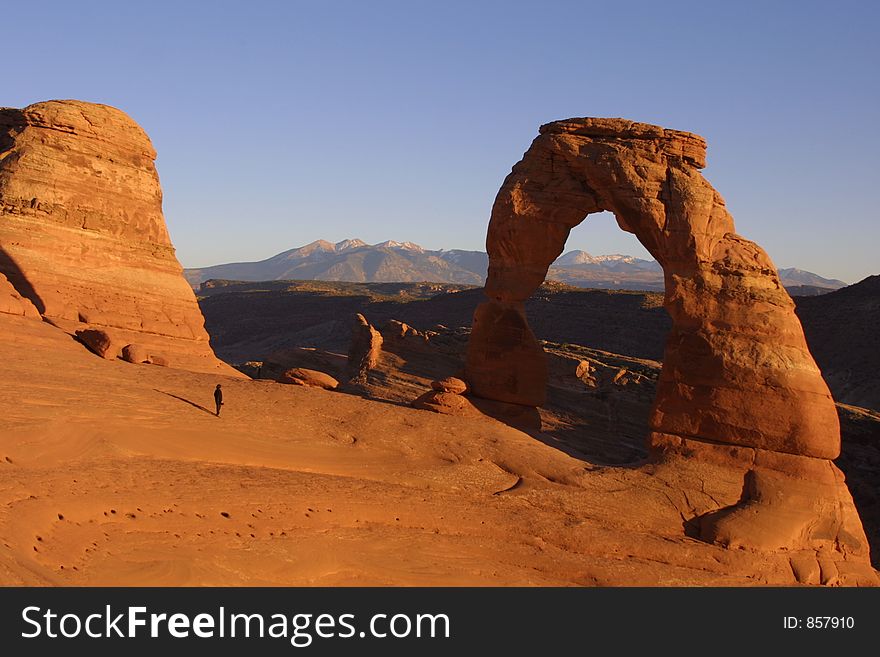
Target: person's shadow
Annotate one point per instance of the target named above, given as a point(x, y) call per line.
point(191, 403)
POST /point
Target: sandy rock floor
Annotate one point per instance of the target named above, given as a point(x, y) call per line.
point(119, 474)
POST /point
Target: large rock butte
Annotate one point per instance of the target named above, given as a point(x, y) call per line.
point(738, 390)
point(82, 235)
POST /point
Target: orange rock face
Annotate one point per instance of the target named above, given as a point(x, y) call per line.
point(82, 235)
point(738, 387)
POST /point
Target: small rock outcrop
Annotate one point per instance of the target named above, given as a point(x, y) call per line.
point(738, 387)
point(447, 403)
point(299, 376)
point(446, 396)
point(397, 330)
point(600, 376)
point(251, 368)
point(82, 235)
point(365, 349)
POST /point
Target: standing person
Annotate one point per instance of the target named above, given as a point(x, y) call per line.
point(218, 398)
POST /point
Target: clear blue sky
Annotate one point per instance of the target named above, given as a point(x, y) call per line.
point(278, 123)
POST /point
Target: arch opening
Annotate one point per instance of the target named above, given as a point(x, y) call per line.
point(602, 341)
point(598, 254)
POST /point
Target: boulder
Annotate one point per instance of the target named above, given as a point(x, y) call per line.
point(135, 353)
point(302, 377)
point(99, 342)
point(450, 384)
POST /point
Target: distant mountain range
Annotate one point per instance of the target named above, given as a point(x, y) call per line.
point(357, 262)
point(404, 262)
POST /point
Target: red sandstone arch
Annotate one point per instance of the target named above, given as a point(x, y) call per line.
point(741, 406)
point(736, 368)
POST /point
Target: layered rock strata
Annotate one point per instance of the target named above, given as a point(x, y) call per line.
point(82, 235)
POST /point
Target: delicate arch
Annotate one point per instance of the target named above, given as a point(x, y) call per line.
point(736, 368)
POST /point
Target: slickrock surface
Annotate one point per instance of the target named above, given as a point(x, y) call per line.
point(738, 388)
point(598, 401)
point(317, 488)
point(82, 235)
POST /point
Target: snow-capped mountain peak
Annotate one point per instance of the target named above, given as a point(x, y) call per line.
point(575, 258)
point(404, 246)
point(615, 257)
point(584, 258)
point(346, 245)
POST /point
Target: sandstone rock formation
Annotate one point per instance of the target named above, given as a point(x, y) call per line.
point(600, 376)
point(445, 396)
point(450, 384)
point(738, 386)
point(303, 377)
point(365, 349)
point(82, 234)
point(447, 403)
point(135, 353)
point(397, 330)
